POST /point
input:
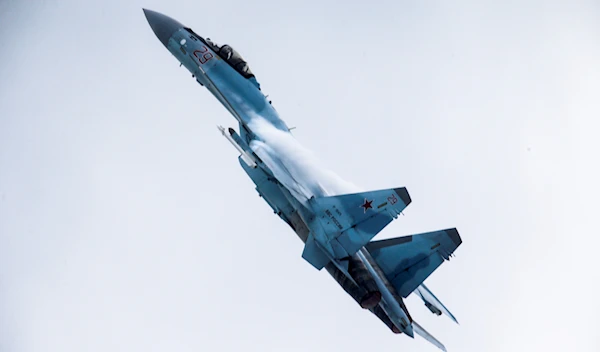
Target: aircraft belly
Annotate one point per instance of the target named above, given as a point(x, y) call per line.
point(346, 282)
point(380, 313)
point(298, 224)
point(279, 199)
point(389, 303)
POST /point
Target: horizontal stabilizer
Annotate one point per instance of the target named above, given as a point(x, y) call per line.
point(350, 221)
point(432, 302)
point(427, 336)
point(408, 261)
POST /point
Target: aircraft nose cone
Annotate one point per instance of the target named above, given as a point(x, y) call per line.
point(163, 26)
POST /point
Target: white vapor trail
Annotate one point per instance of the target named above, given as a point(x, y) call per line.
point(300, 169)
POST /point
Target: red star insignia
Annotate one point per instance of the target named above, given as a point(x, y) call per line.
point(367, 205)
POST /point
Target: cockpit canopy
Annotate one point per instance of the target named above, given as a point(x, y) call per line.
point(227, 53)
point(232, 57)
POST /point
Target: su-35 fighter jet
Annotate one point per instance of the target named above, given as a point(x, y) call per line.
point(336, 229)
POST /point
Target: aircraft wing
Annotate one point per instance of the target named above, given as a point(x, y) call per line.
point(350, 221)
point(427, 336)
point(377, 208)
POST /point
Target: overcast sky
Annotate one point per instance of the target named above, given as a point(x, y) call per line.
point(126, 222)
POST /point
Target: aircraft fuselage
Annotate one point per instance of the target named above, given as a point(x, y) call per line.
point(239, 91)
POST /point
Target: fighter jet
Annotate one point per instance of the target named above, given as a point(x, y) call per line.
point(337, 230)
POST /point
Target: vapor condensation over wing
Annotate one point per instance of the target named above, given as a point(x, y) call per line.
point(300, 162)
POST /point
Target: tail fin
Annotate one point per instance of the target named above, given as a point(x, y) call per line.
point(350, 221)
point(432, 302)
point(408, 261)
point(427, 336)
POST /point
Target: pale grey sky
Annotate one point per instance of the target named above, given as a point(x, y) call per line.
point(126, 222)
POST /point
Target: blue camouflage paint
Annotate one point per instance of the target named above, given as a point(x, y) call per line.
point(337, 230)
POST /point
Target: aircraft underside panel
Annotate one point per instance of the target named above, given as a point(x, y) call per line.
point(271, 191)
point(268, 188)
